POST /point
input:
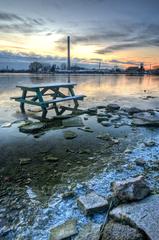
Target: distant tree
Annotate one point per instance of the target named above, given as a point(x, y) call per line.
point(35, 67)
point(46, 67)
point(53, 68)
point(63, 66)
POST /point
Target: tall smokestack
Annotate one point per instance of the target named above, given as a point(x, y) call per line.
point(68, 54)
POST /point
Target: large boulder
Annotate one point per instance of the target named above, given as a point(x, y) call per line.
point(143, 214)
point(92, 203)
point(118, 231)
point(132, 189)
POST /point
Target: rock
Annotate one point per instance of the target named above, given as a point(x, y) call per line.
point(91, 231)
point(92, 111)
point(86, 129)
point(50, 158)
point(112, 107)
point(133, 110)
point(118, 231)
point(85, 151)
point(131, 189)
point(32, 127)
point(92, 203)
point(150, 143)
point(128, 151)
point(140, 162)
point(69, 194)
point(73, 122)
point(6, 125)
point(64, 231)
point(146, 119)
point(143, 214)
point(24, 161)
point(115, 118)
point(105, 137)
point(102, 118)
point(106, 124)
point(70, 135)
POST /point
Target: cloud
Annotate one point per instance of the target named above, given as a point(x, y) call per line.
point(12, 23)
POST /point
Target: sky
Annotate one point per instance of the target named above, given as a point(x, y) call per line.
point(113, 32)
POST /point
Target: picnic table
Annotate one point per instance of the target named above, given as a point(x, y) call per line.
point(55, 93)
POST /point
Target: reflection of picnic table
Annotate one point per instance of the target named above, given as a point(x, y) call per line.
point(44, 95)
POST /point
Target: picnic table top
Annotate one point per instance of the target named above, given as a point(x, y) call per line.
point(46, 85)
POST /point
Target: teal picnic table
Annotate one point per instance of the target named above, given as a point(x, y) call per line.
point(55, 93)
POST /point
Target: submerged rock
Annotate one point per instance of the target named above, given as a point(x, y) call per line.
point(92, 203)
point(91, 231)
point(133, 110)
point(102, 118)
point(32, 127)
point(50, 158)
point(131, 189)
point(92, 111)
point(106, 124)
point(118, 231)
point(143, 214)
point(64, 231)
point(73, 122)
point(24, 161)
point(86, 129)
point(112, 107)
point(70, 135)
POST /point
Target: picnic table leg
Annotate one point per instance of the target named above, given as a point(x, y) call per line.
point(75, 100)
point(22, 103)
point(42, 103)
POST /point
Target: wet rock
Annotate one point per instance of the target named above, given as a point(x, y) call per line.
point(150, 143)
point(105, 137)
point(6, 125)
point(92, 111)
point(133, 110)
point(84, 151)
point(92, 203)
point(128, 151)
point(112, 107)
point(115, 118)
point(146, 119)
point(69, 194)
point(90, 231)
point(143, 214)
point(24, 161)
point(131, 189)
point(140, 162)
point(106, 124)
point(32, 127)
point(70, 135)
point(102, 118)
point(50, 158)
point(86, 129)
point(118, 231)
point(64, 231)
point(73, 122)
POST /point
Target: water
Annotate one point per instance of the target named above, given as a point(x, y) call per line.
point(31, 195)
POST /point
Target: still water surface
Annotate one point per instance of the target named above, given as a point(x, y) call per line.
point(98, 88)
point(30, 209)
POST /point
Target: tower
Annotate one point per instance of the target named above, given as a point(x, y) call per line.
point(68, 54)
